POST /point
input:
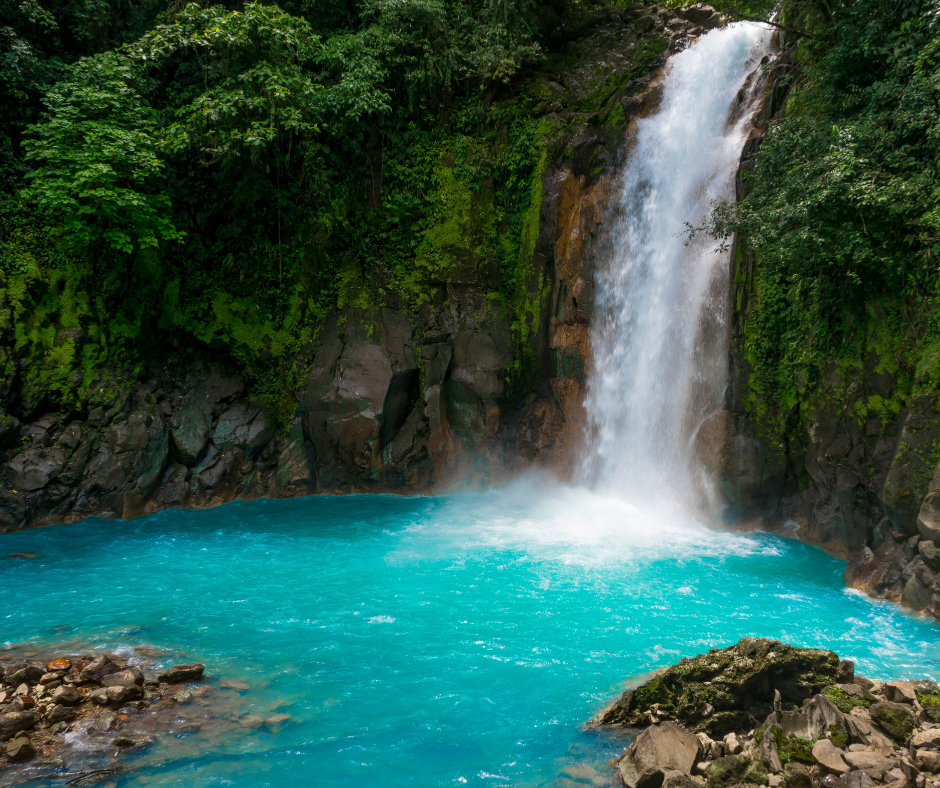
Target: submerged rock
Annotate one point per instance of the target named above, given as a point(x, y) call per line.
point(20, 749)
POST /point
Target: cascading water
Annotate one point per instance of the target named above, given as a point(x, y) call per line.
point(659, 334)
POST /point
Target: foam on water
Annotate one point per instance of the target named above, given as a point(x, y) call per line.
point(428, 641)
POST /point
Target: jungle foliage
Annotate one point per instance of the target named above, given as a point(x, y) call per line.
point(844, 209)
point(176, 175)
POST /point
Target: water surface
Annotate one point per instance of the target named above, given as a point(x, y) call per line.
point(438, 641)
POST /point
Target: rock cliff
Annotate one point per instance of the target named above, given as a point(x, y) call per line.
point(461, 389)
point(858, 472)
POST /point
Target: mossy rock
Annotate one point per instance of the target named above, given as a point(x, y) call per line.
point(793, 749)
point(843, 701)
point(930, 700)
point(728, 689)
point(797, 775)
point(735, 770)
point(895, 719)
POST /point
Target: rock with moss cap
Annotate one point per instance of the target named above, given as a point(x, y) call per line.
point(727, 689)
point(895, 719)
point(735, 770)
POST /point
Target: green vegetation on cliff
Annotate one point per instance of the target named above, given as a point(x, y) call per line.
point(216, 179)
point(843, 214)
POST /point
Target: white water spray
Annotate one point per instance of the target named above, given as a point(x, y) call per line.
point(659, 335)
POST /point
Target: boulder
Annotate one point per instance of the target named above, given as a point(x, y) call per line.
point(677, 779)
point(895, 719)
point(657, 750)
point(741, 681)
point(107, 696)
point(915, 595)
point(928, 518)
point(926, 738)
point(928, 551)
point(98, 668)
point(190, 433)
point(697, 14)
point(900, 691)
point(830, 756)
point(25, 674)
point(344, 402)
point(13, 722)
point(732, 744)
point(124, 678)
point(929, 760)
point(817, 719)
point(66, 696)
point(19, 750)
point(34, 468)
point(60, 714)
point(735, 770)
point(181, 673)
point(861, 731)
point(858, 779)
point(797, 775)
point(873, 764)
point(244, 427)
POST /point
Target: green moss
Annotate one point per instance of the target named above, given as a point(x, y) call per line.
point(735, 770)
point(930, 700)
point(792, 748)
point(843, 701)
point(650, 693)
point(838, 736)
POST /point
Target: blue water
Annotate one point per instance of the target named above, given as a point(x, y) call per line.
point(439, 641)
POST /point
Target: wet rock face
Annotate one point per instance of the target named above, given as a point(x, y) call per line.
point(727, 689)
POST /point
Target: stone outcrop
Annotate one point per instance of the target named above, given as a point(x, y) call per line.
point(776, 721)
point(727, 689)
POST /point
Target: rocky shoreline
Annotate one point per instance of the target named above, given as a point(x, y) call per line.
point(80, 718)
point(765, 713)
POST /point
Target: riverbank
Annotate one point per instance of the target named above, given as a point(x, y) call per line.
point(82, 719)
point(765, 713)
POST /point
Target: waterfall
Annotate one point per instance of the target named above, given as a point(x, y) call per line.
point(659, 333)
